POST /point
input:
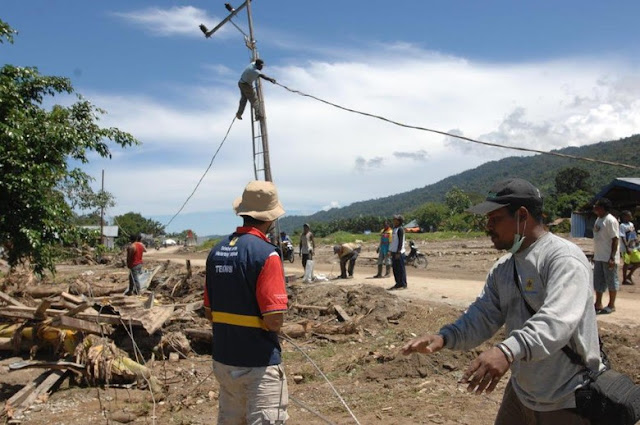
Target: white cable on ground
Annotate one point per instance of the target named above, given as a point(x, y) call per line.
point(289, 340)
point(444, 133)
point(310, 410)
point(205, 173)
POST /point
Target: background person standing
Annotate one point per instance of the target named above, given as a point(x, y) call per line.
point(383, 250)
point(396, 249)
point(606, 255)
point(245, 299)
point(628, 242)
point(307, 245)
point(134, 263)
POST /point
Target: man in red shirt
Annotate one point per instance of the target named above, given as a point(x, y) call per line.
point(134, 262)
point(245, 299)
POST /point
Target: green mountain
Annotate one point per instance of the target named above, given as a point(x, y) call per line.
point(538, 169)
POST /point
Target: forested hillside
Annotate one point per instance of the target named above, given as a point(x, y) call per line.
point(539, 169)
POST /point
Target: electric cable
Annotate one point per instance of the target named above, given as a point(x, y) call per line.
point(468, 139)
point(290, 341)
point(203, 175)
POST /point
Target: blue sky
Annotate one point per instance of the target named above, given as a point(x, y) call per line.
point(544, 74)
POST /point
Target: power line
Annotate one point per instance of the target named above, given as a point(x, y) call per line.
point(444, 133)
point(205, 173)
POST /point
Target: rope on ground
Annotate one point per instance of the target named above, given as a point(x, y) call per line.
point(205, 173)
point(444, 133)
point(289, 340)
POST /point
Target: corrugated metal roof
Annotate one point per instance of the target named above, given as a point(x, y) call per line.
point(623, 192)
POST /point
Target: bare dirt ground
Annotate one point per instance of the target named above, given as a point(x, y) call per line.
point(360, 358)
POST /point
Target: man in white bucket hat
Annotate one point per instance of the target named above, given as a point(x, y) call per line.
point(245, 299)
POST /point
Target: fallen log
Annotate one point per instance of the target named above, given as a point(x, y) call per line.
point(43, 291)
point(296, 330)
point(200, 335)
point(94, 289)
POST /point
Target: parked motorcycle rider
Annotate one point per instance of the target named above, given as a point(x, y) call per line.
point(285, 244)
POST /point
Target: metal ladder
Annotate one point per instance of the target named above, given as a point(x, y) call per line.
point(261, 165)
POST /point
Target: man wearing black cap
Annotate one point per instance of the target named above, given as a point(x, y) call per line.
point(396, 250)
point(541, 291)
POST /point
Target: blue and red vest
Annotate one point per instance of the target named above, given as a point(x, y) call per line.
point(244, 280)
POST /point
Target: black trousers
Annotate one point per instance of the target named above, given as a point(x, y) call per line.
point(399, 271)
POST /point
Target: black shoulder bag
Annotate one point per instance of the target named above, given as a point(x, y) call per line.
point(609, 397)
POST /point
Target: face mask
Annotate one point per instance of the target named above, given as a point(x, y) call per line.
point(517, 238)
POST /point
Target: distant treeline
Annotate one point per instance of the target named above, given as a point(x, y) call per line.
point(541, 170)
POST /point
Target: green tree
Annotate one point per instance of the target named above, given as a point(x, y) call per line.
point(132, 223)
point(37, 147)
point(90, 219)
point(430, 215)
point(572, 179)
point(457, 201)
point(562, 205)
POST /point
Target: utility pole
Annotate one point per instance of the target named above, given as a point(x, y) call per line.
point(259, 134)
point(102, 241)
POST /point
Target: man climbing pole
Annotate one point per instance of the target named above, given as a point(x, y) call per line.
point(247, 92)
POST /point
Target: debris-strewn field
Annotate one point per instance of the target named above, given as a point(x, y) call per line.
point(74, 350)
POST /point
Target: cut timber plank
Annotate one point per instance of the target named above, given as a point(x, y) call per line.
point(10, 300)
point(153, 274)
point(40, 312)
point(341, 313)
point(72, 298)
point(28, 313)
point(78, 309)
point(55, 377)
point(17, 399)
point(81, 325)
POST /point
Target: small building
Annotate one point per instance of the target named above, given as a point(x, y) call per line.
point(109, 234)
point(624, 194)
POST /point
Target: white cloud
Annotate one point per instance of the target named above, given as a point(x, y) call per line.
point(313, 146)
point(177, 20)
point(332, 204)
point(419, 155)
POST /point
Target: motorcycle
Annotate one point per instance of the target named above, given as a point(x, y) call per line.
point(287, 251)
point(415, 258)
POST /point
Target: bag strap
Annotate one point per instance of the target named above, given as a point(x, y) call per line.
point(573, 356)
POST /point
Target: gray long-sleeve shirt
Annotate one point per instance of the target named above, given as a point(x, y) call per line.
point(556, 280)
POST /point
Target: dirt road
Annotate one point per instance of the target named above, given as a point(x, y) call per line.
point(455, 274)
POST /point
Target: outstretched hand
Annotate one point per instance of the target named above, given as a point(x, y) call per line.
point(484, 373)
point(425, 344)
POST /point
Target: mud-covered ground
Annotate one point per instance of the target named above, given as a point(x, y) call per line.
point(360, 358)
